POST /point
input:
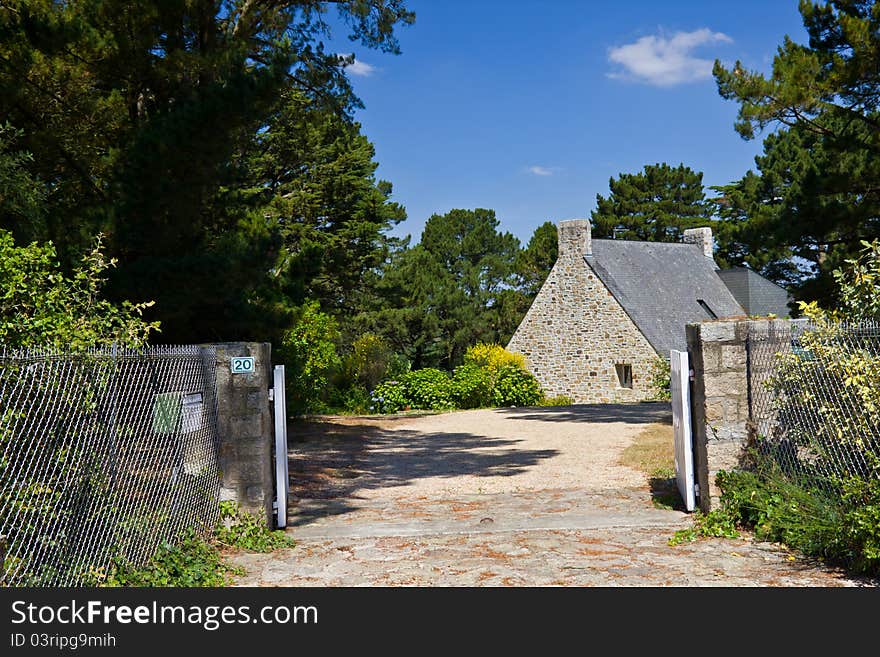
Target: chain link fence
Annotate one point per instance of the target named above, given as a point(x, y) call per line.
point(103, 454)
point(814, 399)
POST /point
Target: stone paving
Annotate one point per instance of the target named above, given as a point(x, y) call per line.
point(449, 532)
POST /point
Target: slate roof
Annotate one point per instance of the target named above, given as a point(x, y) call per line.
point(756, 294)
point(660, 286)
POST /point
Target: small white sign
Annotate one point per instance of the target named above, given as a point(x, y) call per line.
point(242, 365)
point(191, 413)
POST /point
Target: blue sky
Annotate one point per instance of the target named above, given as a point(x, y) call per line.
point(529, 107)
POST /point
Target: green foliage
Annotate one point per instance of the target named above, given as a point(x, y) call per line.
point(858, 285)
point(191, 562)
point(836, 375)
point(194, 561)
point(455, 288)
point(389, 397)
point(811, 205)
point(814, 504)
point(41, 305)
point(238, 529)
point(490, 376)
point(840, 528)
point(308, 351)
point(534, 262)
point(659, 379)
point(656, 205)
point(21, 195)
point(368, 362)
point(472, 386)
point(428, 388)
point(211, 142)
point(715, 524)
point(515, 386)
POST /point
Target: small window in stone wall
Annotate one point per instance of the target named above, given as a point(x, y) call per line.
point(624, 375)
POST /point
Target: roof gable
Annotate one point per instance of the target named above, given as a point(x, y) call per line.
point(662, 286)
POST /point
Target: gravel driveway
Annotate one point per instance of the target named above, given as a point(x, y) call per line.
point(518, 496)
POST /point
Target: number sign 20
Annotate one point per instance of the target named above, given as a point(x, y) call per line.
point(242, 365)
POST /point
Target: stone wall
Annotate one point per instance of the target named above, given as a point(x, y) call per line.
point(245, 428)
point(576, 332)
point(721, 405)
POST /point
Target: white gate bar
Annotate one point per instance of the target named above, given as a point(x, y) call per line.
point(679, 380)
point(281, 475)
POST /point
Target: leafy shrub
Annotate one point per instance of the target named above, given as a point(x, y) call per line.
point(558, 400)
point(389, 397)
point(308, 351)
point(715, 524)
point(472, 386)
point(356, 400)
point(493, 357)
point(247, 532)
point(814, 502)
point(41, 305)
point(191, 562)
point(843, 529)
point(398, 365)
point(368, 362)
point(428, 388)
point(660, 379)
point(195, 561)
point(515, 386)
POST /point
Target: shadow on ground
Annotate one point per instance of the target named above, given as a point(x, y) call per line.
point(328, 462)
point(637, 413)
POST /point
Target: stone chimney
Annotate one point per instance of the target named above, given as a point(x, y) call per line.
point(703, 238)
point(574, 238)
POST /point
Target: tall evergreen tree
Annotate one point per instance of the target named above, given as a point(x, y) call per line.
point(818, 193)
point(135, 115)
point(657, 205)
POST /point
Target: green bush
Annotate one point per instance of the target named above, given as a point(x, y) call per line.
point(41, 305)
point(389, 397)
point(660, 380)
point(840, 528)
point(472, 386)
point(308, 351)
point(247, 532)
point(367, 363)
point(192, 562)
point(515, 387)
point(428, 389)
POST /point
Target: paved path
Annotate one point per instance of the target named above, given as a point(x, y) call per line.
point(522, 497)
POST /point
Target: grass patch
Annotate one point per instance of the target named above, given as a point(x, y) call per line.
point(652, 452)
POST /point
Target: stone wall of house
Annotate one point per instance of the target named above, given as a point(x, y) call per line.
point(576, 332)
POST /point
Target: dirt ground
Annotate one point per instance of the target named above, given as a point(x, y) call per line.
point(518, 496)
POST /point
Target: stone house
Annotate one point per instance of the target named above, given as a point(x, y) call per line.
point(609, 307)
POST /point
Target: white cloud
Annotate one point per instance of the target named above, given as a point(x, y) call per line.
point(541, 171)
point(664, 62)
point(360, 68)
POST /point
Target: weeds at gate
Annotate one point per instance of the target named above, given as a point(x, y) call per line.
point(195, 561)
